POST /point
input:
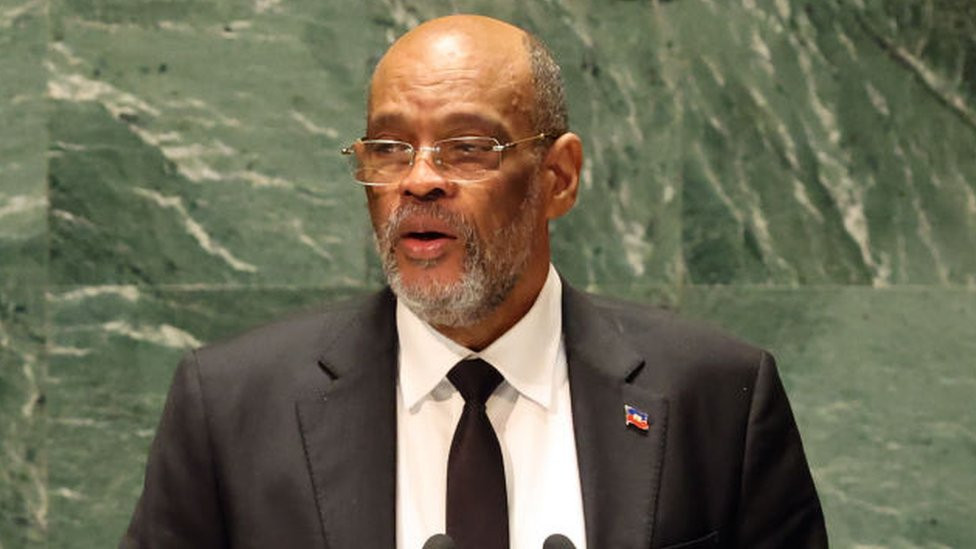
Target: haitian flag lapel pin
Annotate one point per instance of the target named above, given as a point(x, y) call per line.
point(636, 417)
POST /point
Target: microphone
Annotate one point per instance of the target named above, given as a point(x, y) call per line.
point(557, 541)
point(442, 541)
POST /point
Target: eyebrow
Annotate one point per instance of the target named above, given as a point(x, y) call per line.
point(452, 123)
point(386, 120)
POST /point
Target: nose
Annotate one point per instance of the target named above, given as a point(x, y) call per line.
point(423, 181)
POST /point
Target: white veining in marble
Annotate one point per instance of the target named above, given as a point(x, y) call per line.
point(10, 14)
point(195, 229)
point(163, 335)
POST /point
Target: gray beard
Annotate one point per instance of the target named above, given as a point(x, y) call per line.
point(491, 268)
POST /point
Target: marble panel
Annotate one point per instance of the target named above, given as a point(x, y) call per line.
point(818, 149)
point(201, 145)
point(23, 141)
point(112, 353)
point(882, 385)
point(23, 235)
point(23, 501)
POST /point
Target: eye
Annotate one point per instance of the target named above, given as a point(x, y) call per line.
point(387, 148)
point(466, 147)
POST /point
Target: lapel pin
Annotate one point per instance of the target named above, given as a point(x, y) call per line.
point(636, 417)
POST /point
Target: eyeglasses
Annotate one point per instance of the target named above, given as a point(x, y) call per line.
point(378, 162)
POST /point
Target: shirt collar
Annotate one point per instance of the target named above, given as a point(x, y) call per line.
point(526, 355)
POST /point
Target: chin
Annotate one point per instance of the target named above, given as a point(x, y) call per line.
point(420, 273)
point(459, 300)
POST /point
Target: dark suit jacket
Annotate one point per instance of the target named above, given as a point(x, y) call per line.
point(286, 437)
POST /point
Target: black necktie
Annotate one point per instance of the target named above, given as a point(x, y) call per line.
point(477, 507)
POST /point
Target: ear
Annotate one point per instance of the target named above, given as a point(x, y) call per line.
point(563, 164)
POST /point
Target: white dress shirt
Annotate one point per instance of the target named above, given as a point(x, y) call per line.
point(530, 412)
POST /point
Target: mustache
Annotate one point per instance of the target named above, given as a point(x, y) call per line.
point(458, 223)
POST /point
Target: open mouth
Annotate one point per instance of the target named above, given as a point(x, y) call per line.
point(425, 244)
point(426, 236)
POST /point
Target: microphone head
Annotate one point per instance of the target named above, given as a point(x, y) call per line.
point(441, 541)
point(558, 541)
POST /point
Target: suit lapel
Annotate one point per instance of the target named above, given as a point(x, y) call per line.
point(348, 426)
point(620, 465)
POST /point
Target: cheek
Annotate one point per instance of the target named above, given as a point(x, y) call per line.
point(517, 190)
point(379, 204)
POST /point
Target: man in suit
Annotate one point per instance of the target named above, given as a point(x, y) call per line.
point(612, 424)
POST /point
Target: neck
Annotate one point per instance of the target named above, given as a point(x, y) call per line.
point(518, 302)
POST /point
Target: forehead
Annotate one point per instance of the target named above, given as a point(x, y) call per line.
point(451, 78)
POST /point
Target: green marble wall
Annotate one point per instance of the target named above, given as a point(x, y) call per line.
point(800, 172)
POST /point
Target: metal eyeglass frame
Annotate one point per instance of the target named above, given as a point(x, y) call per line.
point(435, 148)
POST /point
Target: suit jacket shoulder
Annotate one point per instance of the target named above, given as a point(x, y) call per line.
point(289, 345)
point(265, 439)
point(721, 464)
point(677, 354)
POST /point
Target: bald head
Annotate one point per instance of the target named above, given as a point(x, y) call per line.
point(495, 36)
point(487, 56)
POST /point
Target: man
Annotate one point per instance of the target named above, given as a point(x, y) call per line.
point(357, 426)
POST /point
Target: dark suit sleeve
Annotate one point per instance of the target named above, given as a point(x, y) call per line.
point(778, 505)
point(179, 506)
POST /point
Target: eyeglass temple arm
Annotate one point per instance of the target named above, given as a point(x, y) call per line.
point(535, 137)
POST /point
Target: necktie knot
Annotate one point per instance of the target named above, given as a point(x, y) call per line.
point(475, 379)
